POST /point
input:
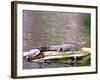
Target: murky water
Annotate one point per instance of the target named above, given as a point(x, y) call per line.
point(41, 28)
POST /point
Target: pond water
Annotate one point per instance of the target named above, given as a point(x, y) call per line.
point(41, 28)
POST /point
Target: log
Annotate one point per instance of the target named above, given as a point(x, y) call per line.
point(58, 55)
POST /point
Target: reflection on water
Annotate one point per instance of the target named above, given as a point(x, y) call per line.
point(58, 63)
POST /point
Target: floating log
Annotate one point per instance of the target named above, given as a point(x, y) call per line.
point(57, 55)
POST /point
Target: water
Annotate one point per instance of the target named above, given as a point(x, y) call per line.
point(41, 28)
